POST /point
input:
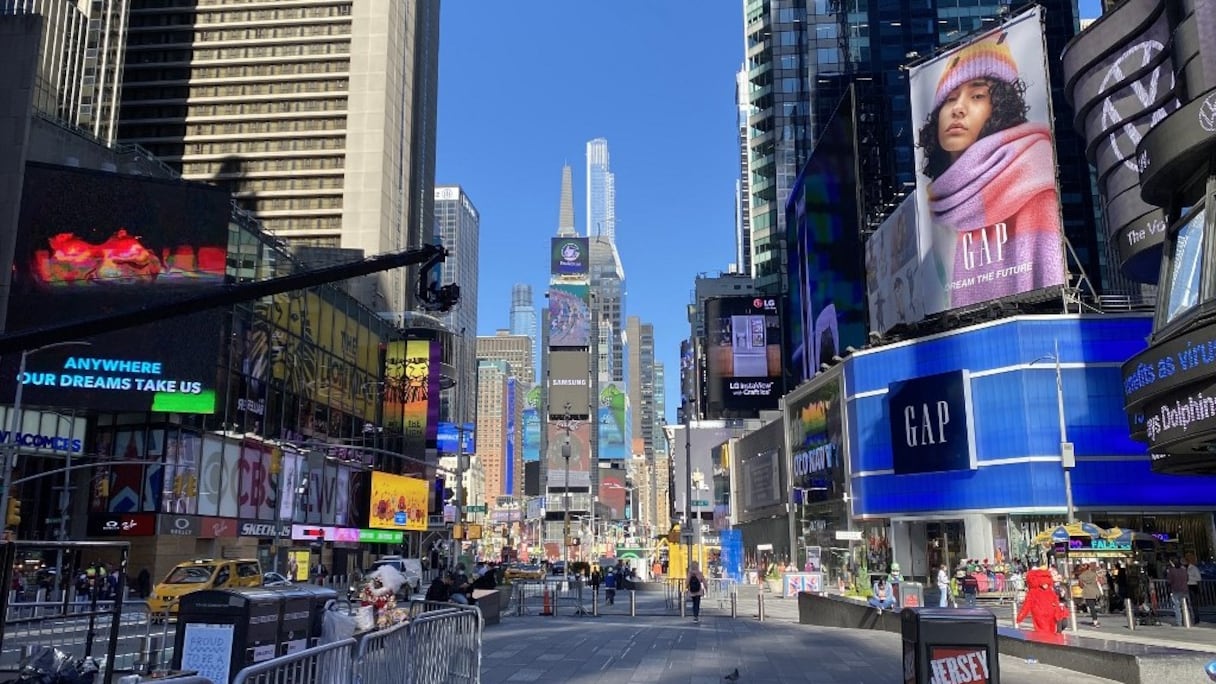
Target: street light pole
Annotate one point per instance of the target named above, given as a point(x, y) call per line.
point(688, 484)
point(10, 454)
point(1067, 455)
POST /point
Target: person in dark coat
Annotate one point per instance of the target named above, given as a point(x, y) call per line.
point(143, 583)
point(441, 588)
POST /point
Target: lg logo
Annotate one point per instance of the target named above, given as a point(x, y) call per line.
point(1125, 136)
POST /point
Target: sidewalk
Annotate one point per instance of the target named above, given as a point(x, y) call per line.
point(656, 649)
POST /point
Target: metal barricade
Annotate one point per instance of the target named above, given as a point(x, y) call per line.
point(46, 623)
point(443, 647)
point(328, 664)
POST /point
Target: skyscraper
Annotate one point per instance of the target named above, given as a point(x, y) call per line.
point(81, 62)
point(523, 318)
point(492, 375)
point(319, 117)
point(743, 219)
point(459, 226)
point(608, 307)
point(641, 385)
point(601, 192)
point(516, 350)
point(565, 207)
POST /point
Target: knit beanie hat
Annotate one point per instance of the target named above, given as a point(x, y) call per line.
point(990, 58)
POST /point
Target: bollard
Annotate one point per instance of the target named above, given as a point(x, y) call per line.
point(595, 604)
point(520, 598)
point(1185, 607)
point(1130, 611)
point(760, 605)
point(1015, 610)
point(1072, 615)
point(734, 603)
point(633, 603)
point(681, 595)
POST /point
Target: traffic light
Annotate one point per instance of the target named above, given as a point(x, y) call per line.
point(276, 461)
point(103, 487)
point(12, 517)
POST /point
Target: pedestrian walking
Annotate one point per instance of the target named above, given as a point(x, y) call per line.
point(1176, 577)
point(1193, 578)
point(943, 585)
point(596, 579)
point(610, 586)
point(696, 589)
point(1091, 591)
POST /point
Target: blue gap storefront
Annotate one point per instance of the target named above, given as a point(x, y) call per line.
point(955, 451)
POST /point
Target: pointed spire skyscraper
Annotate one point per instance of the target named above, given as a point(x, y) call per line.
point(565, 216)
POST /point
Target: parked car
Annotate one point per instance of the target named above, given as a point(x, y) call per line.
point(274, 579)
point(523, 571)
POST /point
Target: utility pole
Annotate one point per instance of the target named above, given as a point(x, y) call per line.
point(688, 482)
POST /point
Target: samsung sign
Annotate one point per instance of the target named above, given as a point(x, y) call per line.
point(931, 426)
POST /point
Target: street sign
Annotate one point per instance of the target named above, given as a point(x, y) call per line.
point(700, 502)
point(848, 535)
point(475, 509)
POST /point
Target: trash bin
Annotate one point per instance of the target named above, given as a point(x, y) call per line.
point(318, 599)
point(942, 645)
point(295, 622)
point(910, 594)
point(221, 631)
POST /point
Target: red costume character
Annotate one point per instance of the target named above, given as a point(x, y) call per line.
point(1041, 602)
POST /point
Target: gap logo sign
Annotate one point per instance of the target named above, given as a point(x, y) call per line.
point(931, 425)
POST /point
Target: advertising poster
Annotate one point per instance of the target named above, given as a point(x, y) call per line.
point(291, 477)
point(570, 257)
point(435, 349)
point(743, 353)
point(569, 315)
point(127, 481)
point(230, 480)
point(398, 503)
point(513, 387)
point(825, 310)
point(181, 473)
point(931, 424)
point(579, 439)
point(988, 205)
point(249, 355)
point(613, 412)
point(256, 493)
point(569, 383)
point(91, 243)
point(407, 376)
point(893, 259)
point(342, 501)
point(613, 492)
point(211, 471)
point(531, 425)
point(816, 442)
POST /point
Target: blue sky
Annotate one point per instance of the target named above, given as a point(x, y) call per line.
point(524, 86)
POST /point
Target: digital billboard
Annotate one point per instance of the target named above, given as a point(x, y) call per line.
point(1120, 79)
point(613, 415)
point(987, 202)
point(815, 422)
point(743, 353)
point(570, 257)
point(530, 434)
point(569, 378)
point(892, 260)
point(411, 392)
point(452, 439)
point(613, 492)
point(508, 480)
point(397, 502)
point(579, 439)
point(569, 315)
point(826, 302)
point(931, 423)
point(92, 243)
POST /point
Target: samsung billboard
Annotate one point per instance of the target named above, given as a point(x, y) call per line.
point(569, 383)
point(743, 354)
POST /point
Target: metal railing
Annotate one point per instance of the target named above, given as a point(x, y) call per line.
point(328, 664)
point(46, 623)
point(439, 644)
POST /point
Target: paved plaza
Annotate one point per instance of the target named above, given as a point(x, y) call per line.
point(657, 648)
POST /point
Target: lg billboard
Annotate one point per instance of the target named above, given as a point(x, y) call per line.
point(92, 243)
point(743, 353)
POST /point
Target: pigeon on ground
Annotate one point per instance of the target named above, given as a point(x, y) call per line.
point(733, 676)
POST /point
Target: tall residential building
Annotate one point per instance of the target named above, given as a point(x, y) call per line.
point(565, 206)
point(492, 375)
point(319, 116)
point(743, 219)
point(458, 227)
point(81, 61)
point(523, 317)
point(641, 384)
point(516, 350)
point(608, 306)
point(601, 192)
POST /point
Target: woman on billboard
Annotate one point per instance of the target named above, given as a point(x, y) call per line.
point(992, 195)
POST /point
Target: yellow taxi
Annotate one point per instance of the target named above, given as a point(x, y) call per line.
point(203, 573)
point(523, 571)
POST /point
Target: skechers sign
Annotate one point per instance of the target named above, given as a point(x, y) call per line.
point(930, 423)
